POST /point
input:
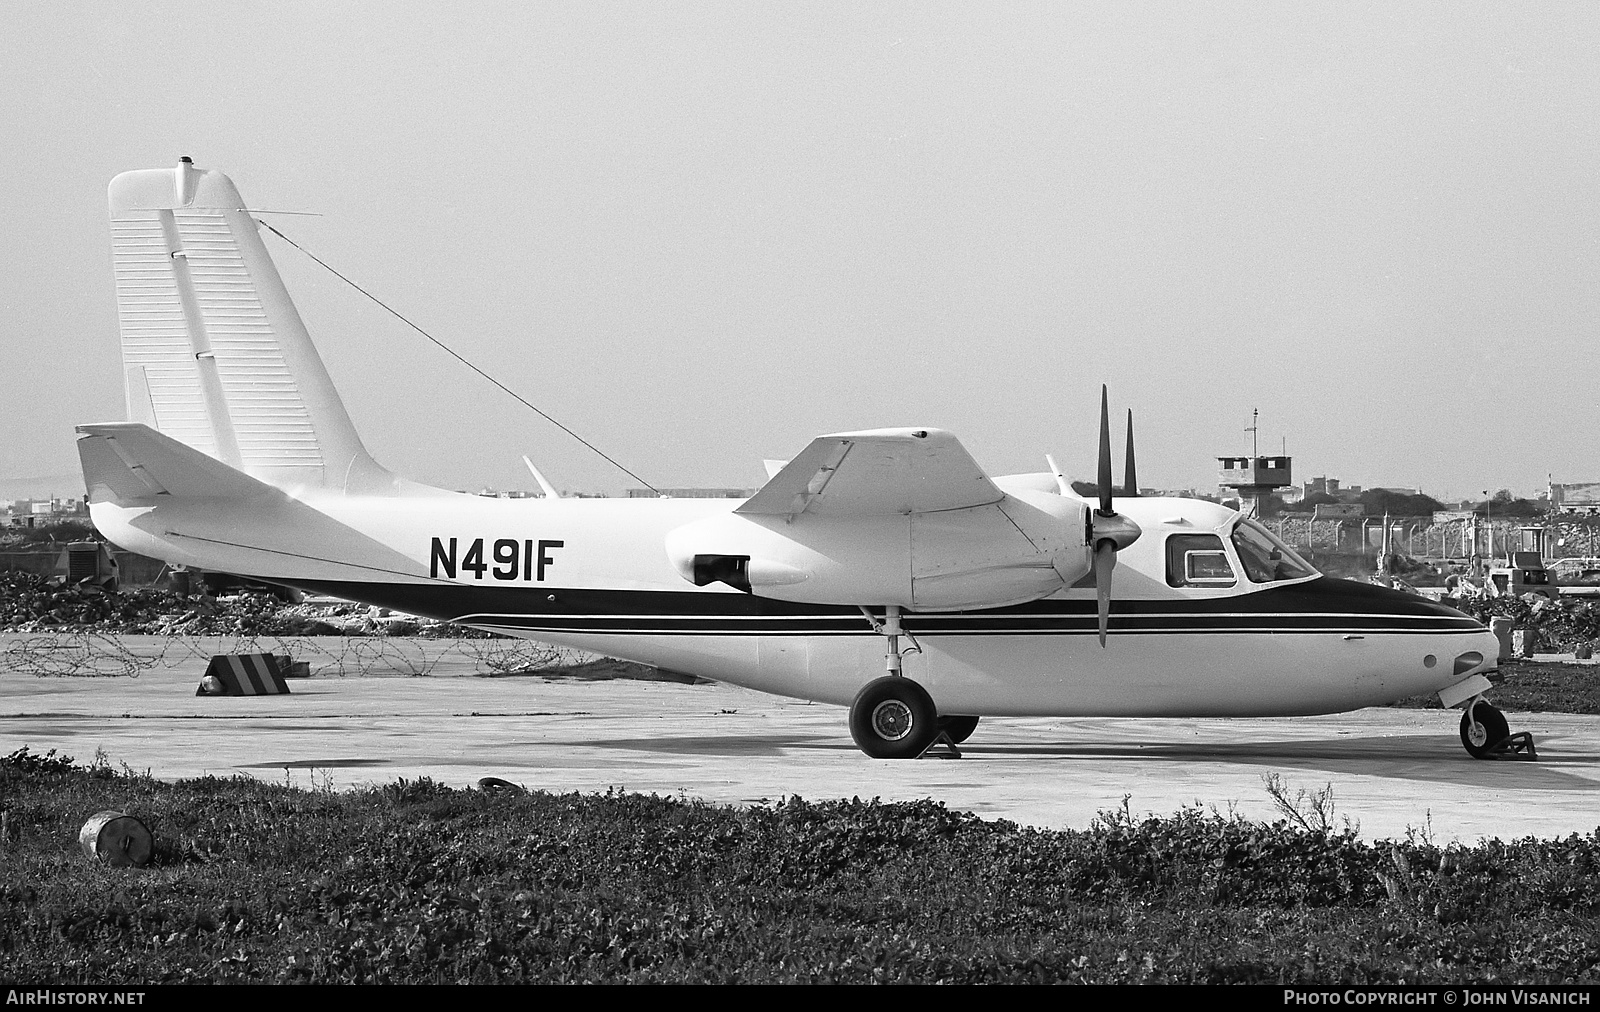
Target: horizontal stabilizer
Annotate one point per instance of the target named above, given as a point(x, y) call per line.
point(157, 496)
point(129, 461)
point(879, 472)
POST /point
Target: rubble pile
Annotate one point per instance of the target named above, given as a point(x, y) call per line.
point(1557, 627)
point(30, 603)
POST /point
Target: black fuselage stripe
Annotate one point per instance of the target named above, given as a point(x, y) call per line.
point(933, 622)
point(624, 630)
point(930, 625)
point(713, 626)
point(1323, 606)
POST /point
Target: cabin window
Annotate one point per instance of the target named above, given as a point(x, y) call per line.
point(1264, 557)
point(1198, 560)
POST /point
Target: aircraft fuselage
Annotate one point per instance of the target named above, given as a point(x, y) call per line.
point(592, 574)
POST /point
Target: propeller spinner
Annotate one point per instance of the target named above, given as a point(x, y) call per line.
point(1110, 531)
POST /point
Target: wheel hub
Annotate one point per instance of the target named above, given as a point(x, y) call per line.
point(1478, 735)
point(892, 720)
point(1477, 730)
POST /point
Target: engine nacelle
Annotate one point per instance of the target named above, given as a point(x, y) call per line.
point(1025, 547)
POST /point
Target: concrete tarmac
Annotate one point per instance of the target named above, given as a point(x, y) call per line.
point(133, 699)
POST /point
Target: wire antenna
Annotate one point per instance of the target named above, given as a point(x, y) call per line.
point(452, 353)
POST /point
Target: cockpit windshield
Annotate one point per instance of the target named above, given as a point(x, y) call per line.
point(1265, 558)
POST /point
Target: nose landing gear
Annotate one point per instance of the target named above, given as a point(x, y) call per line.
point(1486, 734)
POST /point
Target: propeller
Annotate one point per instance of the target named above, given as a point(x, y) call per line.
point(1110, 531)
point(1104, 477)
point(1105, 560)
point(1130, 480)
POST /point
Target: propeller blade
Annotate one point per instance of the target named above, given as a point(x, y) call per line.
point(1105, 456)
point(1130, 481)
point(1105, 560)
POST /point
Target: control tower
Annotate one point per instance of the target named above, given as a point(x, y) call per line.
point(1255, 477)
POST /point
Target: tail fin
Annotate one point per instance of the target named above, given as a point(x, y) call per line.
point(214, 353)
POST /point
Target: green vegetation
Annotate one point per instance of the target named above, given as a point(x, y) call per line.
point(1504, 504)
point(1374, 502)
point(419, 882)
point(1535, 687)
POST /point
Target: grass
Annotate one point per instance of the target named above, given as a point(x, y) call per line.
point(1535, 687)
point(418, 882)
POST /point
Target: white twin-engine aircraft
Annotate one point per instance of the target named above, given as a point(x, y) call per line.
point(888, 550)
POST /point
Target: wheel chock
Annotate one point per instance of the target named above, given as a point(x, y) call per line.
point(243, 675)
point(940, 748)
point(1515, 746)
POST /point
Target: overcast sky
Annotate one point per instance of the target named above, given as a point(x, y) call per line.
point(701, 234)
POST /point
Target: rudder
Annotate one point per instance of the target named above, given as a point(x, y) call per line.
point(214, 353)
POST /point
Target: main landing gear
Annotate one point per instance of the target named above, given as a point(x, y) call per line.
point(1486, 734)
point(893, 717)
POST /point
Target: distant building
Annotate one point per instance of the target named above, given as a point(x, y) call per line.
point(1252, 479)
point(43, 512)
point(690, 493)
point(1331, 487)
point(1582, 498)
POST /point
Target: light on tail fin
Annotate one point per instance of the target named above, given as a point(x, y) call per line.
point(213, 351)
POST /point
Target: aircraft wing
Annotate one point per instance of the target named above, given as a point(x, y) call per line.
point(879, 472)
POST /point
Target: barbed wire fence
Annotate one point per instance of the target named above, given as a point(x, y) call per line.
point(82, 653)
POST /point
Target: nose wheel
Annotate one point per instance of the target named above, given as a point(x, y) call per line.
point(1486, 734)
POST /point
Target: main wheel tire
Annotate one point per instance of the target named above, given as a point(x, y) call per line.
point(893, 718)
point(958, 728)
point(1489, 730)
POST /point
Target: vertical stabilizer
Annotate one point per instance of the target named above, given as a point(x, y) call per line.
point(213, 352)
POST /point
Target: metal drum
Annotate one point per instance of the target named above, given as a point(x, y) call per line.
point(117, 839)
